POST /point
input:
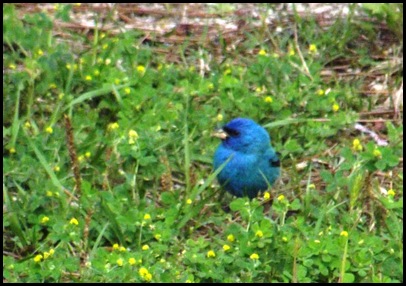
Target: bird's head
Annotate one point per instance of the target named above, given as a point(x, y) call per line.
point(243, 135)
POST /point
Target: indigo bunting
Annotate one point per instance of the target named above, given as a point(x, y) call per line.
point(253, 163)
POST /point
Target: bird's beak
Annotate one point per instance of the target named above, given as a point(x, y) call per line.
point(220, 133)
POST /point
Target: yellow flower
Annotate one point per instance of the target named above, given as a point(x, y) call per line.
point(268, 99)
point(281, 198)
point(27, 124)
point(145, 247)
point(219, 117)
point(40, 52)
point(335, 107)
point(131, 261)
point(74, 221)
point(45, 219)
point(133, 136)
point(49, 194)
point(120, 262)
point(226, 247)
point(81, 158)
point(210, 86)
point(51, 251)
point(12, 150)
point(312, 49)
point(267, 196)
point(147, 217)
point(52, 85)
point(391, 193)
point(112, 126)
point(141, 69)
point(157, 236)
point(320, 92)
point(230, 238)
point(116, 246)
point(38, 258)
point(88, 78)
point(49, 130)
point(68, 66)
point(262, 52)
point(96, 72)
point(12, 66)
point(88, 154)
point(254, 256)
point(46, 255)
point(189, 201)
point(284, 239)
point(291, 52)
point(107, 62)
point(211, 253)
point(377, 153)
point(259, 233)
point(117, 81)
point(144, 273)
point(127, 90)
point(356, 145)
point(344, 233)
point(102, 35)
point(148, 277)
point(122, 249)
point(105, 46)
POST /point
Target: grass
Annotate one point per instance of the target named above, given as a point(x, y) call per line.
point(107, 153)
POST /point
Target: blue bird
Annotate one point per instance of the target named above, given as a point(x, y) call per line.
point(253, 164)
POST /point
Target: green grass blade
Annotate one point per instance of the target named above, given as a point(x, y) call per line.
point(47, 168)
point(95, 93)
point(11, 214)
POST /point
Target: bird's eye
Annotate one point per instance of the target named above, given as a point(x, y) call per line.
point(231, 132)
point(275, 163)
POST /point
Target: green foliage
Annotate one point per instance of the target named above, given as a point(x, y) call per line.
point(391, 13)
point(148, 208)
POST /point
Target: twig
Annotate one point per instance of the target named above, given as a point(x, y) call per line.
point(306, 69)
point(72, 153)
point(374, 136)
